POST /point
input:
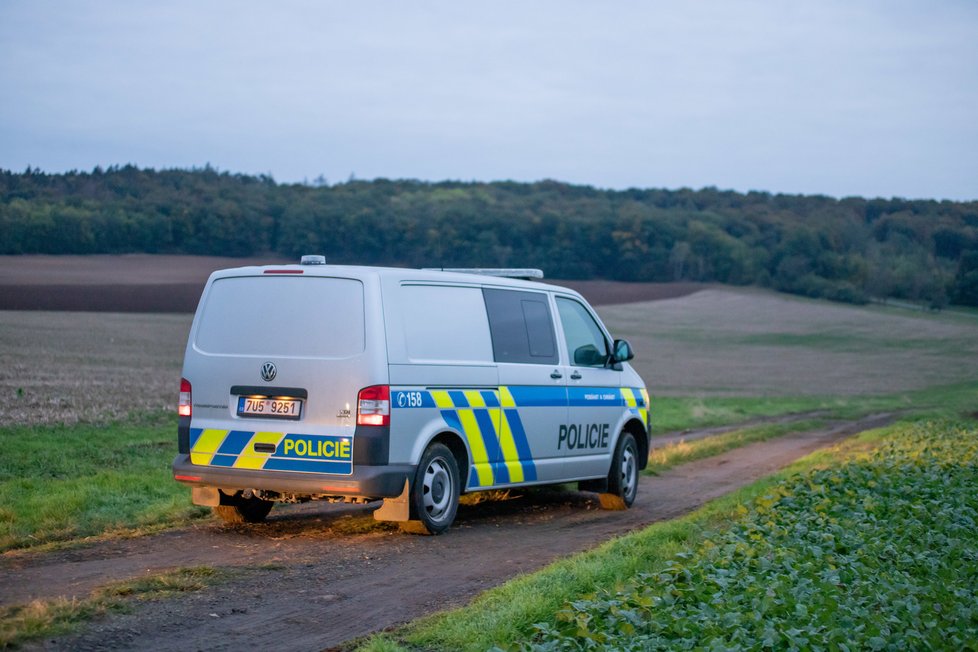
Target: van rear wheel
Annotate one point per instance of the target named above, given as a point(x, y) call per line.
point(435, 491)
point(623, 477)
point(244, 510)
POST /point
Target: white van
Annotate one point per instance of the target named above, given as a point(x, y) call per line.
point(315, 381)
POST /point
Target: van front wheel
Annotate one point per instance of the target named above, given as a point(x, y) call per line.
point(434, 494)
point(623, 477)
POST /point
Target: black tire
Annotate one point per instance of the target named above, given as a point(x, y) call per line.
point(244, 510)
point(623, 476)
point(436, 488)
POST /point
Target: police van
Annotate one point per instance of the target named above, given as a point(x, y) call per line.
point(357, 384)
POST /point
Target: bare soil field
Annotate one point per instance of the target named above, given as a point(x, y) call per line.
point(715, 341)
point(64, 367)
point(307, 584)
point(749, 342)
point(149, 283)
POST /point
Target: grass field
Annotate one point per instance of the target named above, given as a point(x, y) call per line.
point(61, 482)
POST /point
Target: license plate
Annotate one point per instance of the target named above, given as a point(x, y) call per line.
point(271, 408)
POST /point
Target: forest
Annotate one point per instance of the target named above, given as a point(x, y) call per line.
point(851, 249)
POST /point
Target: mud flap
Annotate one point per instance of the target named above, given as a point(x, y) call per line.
point(207, 496)
point(396, 509)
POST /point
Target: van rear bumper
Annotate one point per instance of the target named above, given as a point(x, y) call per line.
point(386, 481)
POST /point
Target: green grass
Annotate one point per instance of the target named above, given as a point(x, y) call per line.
point(666, 457)
point(672, 414)
point(867, 500)
point(46, 618)
point(60, 483)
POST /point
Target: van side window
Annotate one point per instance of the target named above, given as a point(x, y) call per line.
point(586, 343)
point(521, 327)
point(445, 324)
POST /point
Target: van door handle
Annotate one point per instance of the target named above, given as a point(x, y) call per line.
point(576, 375)
point(556, 375)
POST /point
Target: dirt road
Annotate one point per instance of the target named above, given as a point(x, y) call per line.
point(312, 584)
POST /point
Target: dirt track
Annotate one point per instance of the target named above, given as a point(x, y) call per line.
point(310, 586)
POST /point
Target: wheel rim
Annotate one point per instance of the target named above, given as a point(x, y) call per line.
point(437, 489)
point(629, 472)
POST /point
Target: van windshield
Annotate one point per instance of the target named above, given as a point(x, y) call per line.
point(298, 316)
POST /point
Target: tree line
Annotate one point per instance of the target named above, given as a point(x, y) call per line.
point(850, 249)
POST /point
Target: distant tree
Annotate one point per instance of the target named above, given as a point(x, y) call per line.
point(813, 245)
point(964, 289)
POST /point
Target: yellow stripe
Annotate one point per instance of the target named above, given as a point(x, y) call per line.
point(629, 395)
point(252, 459)
point(510, 455)
point(206, 445)
point(474, 397)
point(442, 399)
point(506, 398)
point(648, 406)
point(480, 458)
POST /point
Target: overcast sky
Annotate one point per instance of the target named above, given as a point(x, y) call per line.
point(838, 97)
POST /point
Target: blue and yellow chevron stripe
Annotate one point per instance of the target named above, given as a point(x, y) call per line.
point(279, 451)
point(489, 419)
point(491, 424)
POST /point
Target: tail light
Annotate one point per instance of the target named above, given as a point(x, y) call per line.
point(374, 406)
point(185, 407)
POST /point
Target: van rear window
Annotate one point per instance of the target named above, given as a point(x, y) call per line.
point(305, 316)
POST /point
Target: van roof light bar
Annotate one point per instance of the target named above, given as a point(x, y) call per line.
point(525, 273)
point(312, 260)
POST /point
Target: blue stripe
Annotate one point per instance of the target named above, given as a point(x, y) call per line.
point(403, 400)
point(224, 460)
point(539, 396)
point(522, 444)
point(451, 418)
point(235, 442)
point(312, 443)
point(309, 466)
point(493, 450)
point(194, 436)
point(595, 397)
point(491, 398)
point(458, 399)
point(638, 396)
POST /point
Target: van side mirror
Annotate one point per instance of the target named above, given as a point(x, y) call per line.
point(589, 356)
point(623, 351)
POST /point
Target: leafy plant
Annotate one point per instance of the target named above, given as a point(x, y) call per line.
point(878, 553)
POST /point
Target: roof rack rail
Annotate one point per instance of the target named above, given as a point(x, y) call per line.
point(524, 273)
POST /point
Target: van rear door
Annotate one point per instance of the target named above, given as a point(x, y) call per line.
point(275, 361)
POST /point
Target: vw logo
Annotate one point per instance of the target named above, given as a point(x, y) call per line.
point(268, 372)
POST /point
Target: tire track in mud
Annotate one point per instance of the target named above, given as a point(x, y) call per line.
point(310, 586)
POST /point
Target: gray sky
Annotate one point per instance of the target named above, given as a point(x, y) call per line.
point(826, 96)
